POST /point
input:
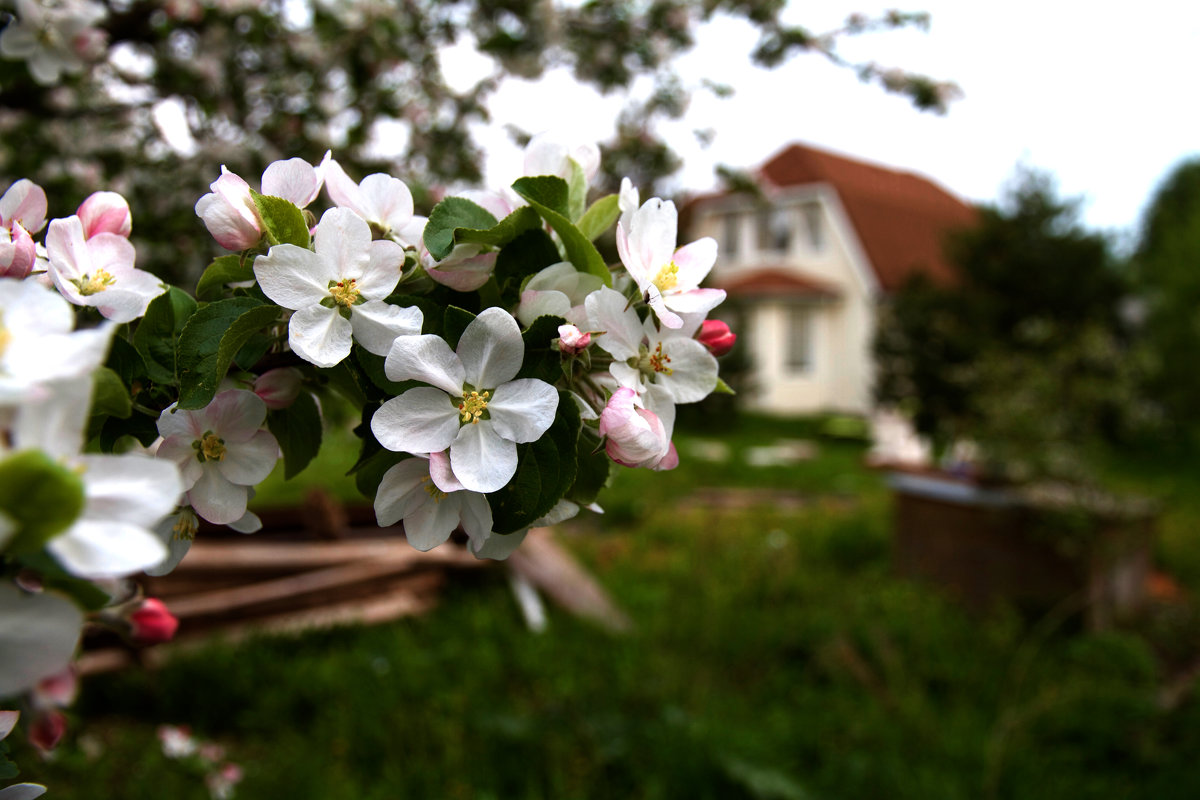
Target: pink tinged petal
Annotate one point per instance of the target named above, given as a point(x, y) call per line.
point(250, 462)
point(522, 410)
point(693, 371)
point(627, 376)
point(279, 388)
point(344, 192)
point(669, 461)
point(377, 324)
point(697, 301)
point(388, 198)
point(498, 546)
point(179, 451)
point(491, 349)
point(216, 499)
point(655, 300)
point(38, 637)
point(320, 335)
point(476, 516)
point(481, 459)
point(128, 298)
point(293, 277)
point(98, 549)
point(295, 180)
point(695, 260)
point(441, 474)
point(425, 358)
point(105, 212)
point(133, 489)
point(24, 202)
point(8, 721)
point(231, 229)
point(29, 306)
point(185, 424)
point(607, 312)
point(636, 269)
point(18, 254)
point(67, 250)
point(464, 274)
point(536, 304)
point(382, 272)
point(342, 240)
point(652, 236)
point(235, 415)
point(411, 233)
point(401, 491)
point(431, 523)
point(422, 420)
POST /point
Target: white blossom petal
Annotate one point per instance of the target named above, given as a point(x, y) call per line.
point(522, 410)
point(320, 335)
point(38, 636)
point(607, 311)
point(377, 324)
point(482, 460)
point(497, 546)
point(130, 488)
point(293, 277)
point(431, 523)
point(400, 491)
point(249, 462)
point(295, 180)
point(216, 499)
point(382, 271)
point(491, 349)
point(425, 358)
point(693, 371)
point(342, 240)
point(422, 420)
point(97, 549)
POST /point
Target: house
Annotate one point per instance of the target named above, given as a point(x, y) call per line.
point(807, 263)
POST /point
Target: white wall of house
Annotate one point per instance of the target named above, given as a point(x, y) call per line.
point(837, 372)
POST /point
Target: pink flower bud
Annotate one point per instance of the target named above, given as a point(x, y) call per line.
point(57, 690)
point(47, 730)
point(229, 213)
point(280, 387)
point(716, 336)
point(635, 437)
point(573, 341)
point(18, 252)
point(105, 212)
point(152, 622)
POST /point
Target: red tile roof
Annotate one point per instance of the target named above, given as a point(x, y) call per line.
point(777, 281)
point(901, 219)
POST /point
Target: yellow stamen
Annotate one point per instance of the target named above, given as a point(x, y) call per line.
point(659, 360)
point(473, 406)
point(185, 527)
point(344, 292)
point(94, 284)
point(432, 490)
point(667, 277)
point(210, 447)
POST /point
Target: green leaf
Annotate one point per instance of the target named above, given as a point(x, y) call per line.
point(525, 255)
point(545, 470)
point(542, 361)
point(577, 188)
point(580, 250)
point(223, 270)
point(509, 228)
point(723, 388)
point(210, 340)
point(158, 330)
point(109, 395)
point(548, 191)
point(283, 220)
point(454, 323)
point(127, 362)
point(139, 426)
point(593, 470)
point(448, 216)
point(40, 495)
point(297, 428)
point(599, 217)
point(373, 367)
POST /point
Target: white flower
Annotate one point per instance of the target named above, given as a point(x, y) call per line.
point(22, 212)
point(229, 212)
point(221, 451)
point(338, 291)
point(432, 503)
point(99, 271)
point(558, 290)
point(645, 356)
point(36, 342)
point(54, 38)
point(383, 201)
point(637, 437)
point(549, 153)
point(473, 407)
point(669, 279)
point(38, 636)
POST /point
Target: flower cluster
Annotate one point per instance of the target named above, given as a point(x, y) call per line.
point(499, 364)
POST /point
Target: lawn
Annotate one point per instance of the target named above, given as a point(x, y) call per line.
point(774, 656)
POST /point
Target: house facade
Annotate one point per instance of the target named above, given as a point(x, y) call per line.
point(807, 263)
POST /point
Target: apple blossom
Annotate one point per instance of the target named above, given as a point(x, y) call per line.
point(279, 387)
point(431, 502)
point(669, 279)
point(636, 437)
point(229, 213)
point(383, 201)
point(716, 336)
point(105, 212)
point(465, 269)
point(548, 153)
point(338, 291)
point(54, 38)
point(558, 290)
point(152, 623)
point(473, 406)
point(645, 356)
point(98, 271)
point(572, 341)
point(22, 213)
point(627, 202)
point(221, 451)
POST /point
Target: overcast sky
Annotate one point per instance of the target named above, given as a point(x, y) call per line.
point(1105, 100)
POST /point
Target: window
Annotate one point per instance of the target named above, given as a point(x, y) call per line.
point(774, 230)
point(732, 225)
point(815, 226)
point(799, 339)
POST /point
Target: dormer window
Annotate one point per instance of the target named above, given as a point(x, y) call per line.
point(732, 224)
point(774, 230)
point(814, 226)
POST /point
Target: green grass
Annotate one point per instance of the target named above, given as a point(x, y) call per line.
point(774, 656)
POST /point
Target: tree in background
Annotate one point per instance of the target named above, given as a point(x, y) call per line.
point(85, 106)
point(1167, 265)
point(1026, 353)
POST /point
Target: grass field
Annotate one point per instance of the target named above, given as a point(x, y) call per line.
point(774, 656)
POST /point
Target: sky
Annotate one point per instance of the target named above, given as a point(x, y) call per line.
point(1103, 100)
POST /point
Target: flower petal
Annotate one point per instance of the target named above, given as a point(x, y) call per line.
point(294, 180)
point(432, 522)
point(320, 335)
point(38, 636)
point(697, 301)
point(377, 324)
point(693, 371)
point(250, 462)
point(293, 277)
point(522, 410)
point(694, 261)
point(441, 474)
point(401, 491)
point(382, 272)
point(491, 349)
point(24, 202)
point(235, 415)
point(388, 198)
point(216, 499)
point(421, 420)
point(482, 460)
point(342, 241)
point(425, 358)
point(476, 516)
point(130, 488)
point(96, 549)
point(498, 546)
point(607, 311)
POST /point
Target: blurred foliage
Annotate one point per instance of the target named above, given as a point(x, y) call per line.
point(1167, 265)
point(1026, 352)
point(256, 81)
